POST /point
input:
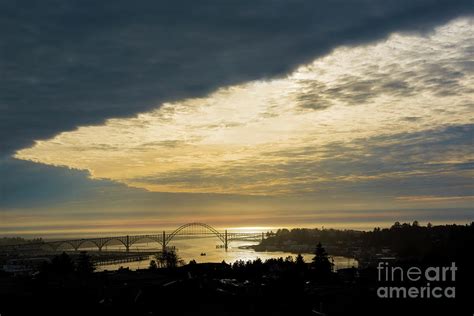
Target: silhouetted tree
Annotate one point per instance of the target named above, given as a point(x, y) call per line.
point(321, 262)
point(85, 264)
point(300, 265)
point(168, 259)
point(62, 264)
point(153, 265)
point(171, 259)
point(160, 260)
point(300, 260)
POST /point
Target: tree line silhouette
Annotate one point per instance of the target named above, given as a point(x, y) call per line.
point(404, 239)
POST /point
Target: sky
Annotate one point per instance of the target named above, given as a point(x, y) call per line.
point(120, 117)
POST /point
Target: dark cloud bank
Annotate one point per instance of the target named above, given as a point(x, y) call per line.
point(70, 63)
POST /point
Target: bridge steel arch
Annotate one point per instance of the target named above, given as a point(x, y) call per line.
point(222, 236)
point(66, 242)
point(156, 238)
point(97, 244)
point(124, 240)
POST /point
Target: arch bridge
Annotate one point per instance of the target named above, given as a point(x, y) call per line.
point(186, 231)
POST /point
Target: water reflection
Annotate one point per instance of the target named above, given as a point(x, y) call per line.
point(192, 249)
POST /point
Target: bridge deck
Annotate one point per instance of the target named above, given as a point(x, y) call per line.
point(187, 231)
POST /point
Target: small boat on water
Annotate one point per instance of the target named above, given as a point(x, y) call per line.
point(203, 253)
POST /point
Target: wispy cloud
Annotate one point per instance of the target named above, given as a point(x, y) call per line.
point(431, 198)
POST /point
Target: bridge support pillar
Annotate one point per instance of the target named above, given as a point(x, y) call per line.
point(225, 240)
point(127, 244)
point(263, 236)
point(163, 250)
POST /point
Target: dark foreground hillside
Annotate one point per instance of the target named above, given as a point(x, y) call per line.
point(435, 282)
point(276, 288)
